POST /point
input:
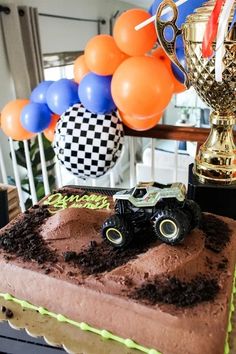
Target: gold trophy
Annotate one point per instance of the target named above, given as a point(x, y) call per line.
point(212, 179)
point(216, 159)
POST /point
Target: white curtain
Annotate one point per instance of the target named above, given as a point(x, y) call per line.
point(22, 48)
point(22, 43)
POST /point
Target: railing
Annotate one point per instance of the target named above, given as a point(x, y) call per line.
point(166, 132)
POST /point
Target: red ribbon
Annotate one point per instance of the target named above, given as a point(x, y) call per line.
point(211, 29)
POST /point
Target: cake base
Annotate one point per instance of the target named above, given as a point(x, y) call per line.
point(174, 299)
point(212, 198)
point(55, 333)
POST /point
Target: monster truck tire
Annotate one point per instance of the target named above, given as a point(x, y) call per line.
point(171, 226)
point(116, 231)
point(195, 211)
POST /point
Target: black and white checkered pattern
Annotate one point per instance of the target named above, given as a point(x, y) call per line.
point(88, 144)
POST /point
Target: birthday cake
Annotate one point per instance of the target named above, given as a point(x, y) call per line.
point(150, 296)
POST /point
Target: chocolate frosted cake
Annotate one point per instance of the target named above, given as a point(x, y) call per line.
point(165, 299)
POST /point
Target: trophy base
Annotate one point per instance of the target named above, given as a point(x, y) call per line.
point(214, 198)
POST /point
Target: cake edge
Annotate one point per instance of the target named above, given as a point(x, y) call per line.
point(129, 343)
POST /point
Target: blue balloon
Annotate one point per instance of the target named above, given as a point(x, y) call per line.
point(150, 10)
point(35, 117)
point(39, 94)
point(95, 94)
point(184, 10)
point(61, 95)
point(179, 75)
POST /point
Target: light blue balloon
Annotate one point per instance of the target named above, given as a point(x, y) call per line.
point(95, 94)
point(35, 117)
point(61, 95)
point(39, 94)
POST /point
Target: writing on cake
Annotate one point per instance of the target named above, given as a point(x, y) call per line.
point(92, 201)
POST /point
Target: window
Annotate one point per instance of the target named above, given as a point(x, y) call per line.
point(59, 65)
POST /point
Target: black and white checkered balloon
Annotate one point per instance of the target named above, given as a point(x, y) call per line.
point(88, 144)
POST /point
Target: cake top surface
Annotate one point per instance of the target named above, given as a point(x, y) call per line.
point(61, 237)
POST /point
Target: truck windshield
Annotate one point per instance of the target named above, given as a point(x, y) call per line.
point(139, 192)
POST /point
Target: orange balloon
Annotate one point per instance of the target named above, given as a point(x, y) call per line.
point(129, 40)
point(49, 132)
point(160, 54)
point(142, 87)
point(80, 68)
point(10, 120)
point(140, 124)
point(102, 55)
point(178, 87)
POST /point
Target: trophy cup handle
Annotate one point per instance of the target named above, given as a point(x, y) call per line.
point(169, 46)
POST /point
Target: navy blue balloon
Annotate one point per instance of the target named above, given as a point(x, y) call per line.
point(61, 95)
point(35, 117)
point(39, 94)
point(95, 94)
point(176, 71)
point(184, 10)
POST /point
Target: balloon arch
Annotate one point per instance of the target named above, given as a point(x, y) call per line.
point(119, 76)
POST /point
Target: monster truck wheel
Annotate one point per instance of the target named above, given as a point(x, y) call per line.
point(116, 231)
point(195, 211)
point(171, 226)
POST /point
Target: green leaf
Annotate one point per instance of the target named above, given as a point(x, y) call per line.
point(28, 203)
point(20, 158)
point(25, 190)
point(36, 160)
point(40, 192)
point(50, 167)
point(25, 181)
point(49, 154)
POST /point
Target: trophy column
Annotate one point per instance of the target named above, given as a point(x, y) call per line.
point(216, 160)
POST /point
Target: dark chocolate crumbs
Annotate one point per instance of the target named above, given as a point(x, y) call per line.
point(9, 313)
point(176, 292)
point(7, 258)
point(217, 233)
point(223, 264)
point(209, 263)
point(36, 206)
point(24, 240)
point(93, 243)
point(71, 274)
point(99, 258)
point(3, 309)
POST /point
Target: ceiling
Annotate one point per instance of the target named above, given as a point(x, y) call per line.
point(140, 3)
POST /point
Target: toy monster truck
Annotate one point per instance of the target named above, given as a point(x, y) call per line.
point(164, 207)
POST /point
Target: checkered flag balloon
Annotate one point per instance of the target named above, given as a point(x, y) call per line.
point(88, 144)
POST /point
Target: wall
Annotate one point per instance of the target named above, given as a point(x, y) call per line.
point(57, 35)
point(6, 94)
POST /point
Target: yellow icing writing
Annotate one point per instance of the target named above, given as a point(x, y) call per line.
point(92, 201)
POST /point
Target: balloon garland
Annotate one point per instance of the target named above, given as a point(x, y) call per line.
point(120, 73)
